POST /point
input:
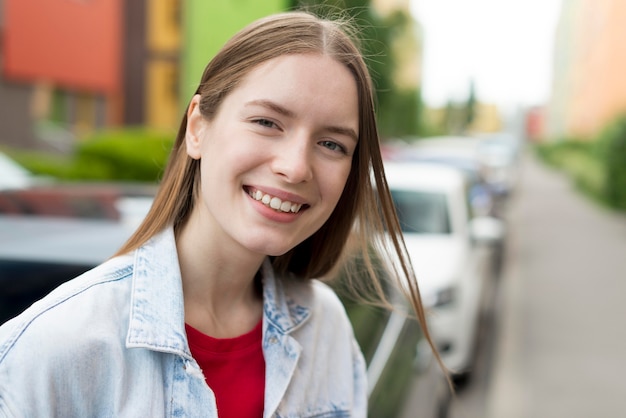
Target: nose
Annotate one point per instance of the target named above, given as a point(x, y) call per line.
point(293, 160)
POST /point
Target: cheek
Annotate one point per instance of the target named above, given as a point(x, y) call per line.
point(335, 185)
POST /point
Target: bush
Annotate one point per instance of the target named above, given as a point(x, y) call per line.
point(129, 154)
point(41, 163)
point(126, 154)
point(580, 160)
point(612, 146)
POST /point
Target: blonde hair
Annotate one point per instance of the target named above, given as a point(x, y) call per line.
point(365, 211)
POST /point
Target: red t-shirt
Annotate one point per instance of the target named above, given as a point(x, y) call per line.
point(234, 368)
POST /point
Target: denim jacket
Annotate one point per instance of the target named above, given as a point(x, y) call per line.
point(112, 343)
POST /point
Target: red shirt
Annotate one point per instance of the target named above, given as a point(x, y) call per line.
point(234, 368)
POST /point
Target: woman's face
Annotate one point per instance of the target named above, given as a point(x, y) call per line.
point(276, 156)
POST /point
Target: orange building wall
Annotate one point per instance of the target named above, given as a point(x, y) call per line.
point(75, 44)
point(597, 91)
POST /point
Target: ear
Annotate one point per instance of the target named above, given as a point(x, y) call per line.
point(195, 128)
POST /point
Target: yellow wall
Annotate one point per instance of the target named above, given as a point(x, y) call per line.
point(164, 32)
point(162, 95)
point(162, 69)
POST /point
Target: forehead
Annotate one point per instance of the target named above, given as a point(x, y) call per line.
point(314, 84)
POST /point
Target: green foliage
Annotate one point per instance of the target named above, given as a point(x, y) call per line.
point(579, 159)
point(399, 111)
point(612, 150)
point(401, 116)
point(130, 154)
point(40, 163)
point(458, 116)
point(126, 154)
point(597, 166)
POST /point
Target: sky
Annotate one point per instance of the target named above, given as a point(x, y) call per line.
point(504, 46)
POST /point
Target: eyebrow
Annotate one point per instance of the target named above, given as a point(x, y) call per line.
point(288, 113)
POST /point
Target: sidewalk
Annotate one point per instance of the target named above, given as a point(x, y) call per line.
point(562, 330)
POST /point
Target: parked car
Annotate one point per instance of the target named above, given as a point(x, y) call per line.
point(40, 251)
point(53, 233)
point(13, 175)
point(500, 153)
point(451, 252)
point(460, 153)
point(486, 196)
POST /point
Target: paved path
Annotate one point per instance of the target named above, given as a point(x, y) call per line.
point(561, 342)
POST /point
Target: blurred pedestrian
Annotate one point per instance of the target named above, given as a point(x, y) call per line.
point(212, 306)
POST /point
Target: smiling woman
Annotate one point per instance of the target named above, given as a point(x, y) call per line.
point(276, 164)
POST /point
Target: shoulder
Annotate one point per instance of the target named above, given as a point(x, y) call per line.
point(316, 296)
point(77, 330)
point(326, 314)
point(331, 367)
point(325, 298)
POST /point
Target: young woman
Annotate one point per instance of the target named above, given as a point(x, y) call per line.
point(211, 308)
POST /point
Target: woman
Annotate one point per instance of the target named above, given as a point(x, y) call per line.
point(211, 307)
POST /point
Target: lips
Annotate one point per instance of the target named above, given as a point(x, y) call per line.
point(274, 202)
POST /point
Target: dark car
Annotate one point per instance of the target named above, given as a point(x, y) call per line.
point(403, 378)
point(40, 251)
point(52, 234)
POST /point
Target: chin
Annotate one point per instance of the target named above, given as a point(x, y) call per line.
point(276, 250)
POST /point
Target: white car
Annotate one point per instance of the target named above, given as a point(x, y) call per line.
point(450, 252)
point(13, 175)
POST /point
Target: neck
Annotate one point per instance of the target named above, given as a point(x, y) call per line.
point(220, 295)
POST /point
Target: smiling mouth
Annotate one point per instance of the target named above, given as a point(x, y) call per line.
point(275, 203)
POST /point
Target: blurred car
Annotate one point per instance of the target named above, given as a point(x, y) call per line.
point(402, 374)
point(13, 175)
point(499, 153)
point(46, 245)
point(113, 201)
point(53, 233)
point(487, 197)
point(37, 254)
point(461, 153)
point(451, 253)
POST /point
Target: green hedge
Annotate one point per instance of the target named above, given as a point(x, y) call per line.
point(598, 165)
point(612, 146)
point(129, 154)
point(580, 160)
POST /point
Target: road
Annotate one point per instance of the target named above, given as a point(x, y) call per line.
point(557, 344)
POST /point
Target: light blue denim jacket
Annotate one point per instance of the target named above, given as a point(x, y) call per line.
point(112, 343)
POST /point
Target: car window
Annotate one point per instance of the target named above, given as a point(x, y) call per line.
point(422, 212)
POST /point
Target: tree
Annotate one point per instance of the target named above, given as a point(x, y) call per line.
point(398, 109)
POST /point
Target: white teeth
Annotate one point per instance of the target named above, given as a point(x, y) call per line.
point(275, 203)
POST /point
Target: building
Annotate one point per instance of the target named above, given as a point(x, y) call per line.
point(68, 68)
point(589, 87)
point(60, 64)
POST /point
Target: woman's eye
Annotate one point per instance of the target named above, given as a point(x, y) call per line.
point(265, 123)
point(333, 146)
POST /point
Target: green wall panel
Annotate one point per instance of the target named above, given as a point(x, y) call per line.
point(207, 25)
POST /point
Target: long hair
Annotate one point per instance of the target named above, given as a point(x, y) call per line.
point(365, 210)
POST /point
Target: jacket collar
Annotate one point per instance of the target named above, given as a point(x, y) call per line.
point(157, 315)
point(283, 307)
